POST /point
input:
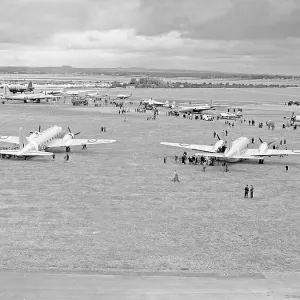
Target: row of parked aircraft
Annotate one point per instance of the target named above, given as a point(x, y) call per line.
point(40, 143)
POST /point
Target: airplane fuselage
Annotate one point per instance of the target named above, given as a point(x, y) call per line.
point(238, 147)
point(38, 141)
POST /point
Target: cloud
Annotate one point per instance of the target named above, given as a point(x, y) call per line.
point(194, 34)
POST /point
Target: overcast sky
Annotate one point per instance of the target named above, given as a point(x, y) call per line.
point(255, 36)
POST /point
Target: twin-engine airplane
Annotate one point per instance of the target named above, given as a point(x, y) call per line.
point(236, 152)
point(197, 109)
point(15, 88)
point(150, 104)
point(122, 96)
point(39, 142)
point(230, 116)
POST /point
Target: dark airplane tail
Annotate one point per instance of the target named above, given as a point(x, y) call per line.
point(30, 86)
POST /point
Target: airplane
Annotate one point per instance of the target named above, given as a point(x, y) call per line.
point(294, 118)
point(122, 96)
point(54, 92)
point(74, 92)
point(150, 104)
point(230, 116)
point(39, 143)
point(198, 109)
point(14, 88)
point(238, 150)
point(25, 97)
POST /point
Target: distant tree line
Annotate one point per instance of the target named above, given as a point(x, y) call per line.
point(151, 82)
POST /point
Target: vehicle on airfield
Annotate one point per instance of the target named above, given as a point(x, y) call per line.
point(39, 143)
point(237, 151)
point(206, 117)
point(79, 101)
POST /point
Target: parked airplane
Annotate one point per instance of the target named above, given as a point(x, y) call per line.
point(122, 96)
point(197, 109)
point(15, 88)
point(150, 104)
point(75, 92)
point(25, 97)
point(53, 93)
point(38, 142)
point(230, 116)
point(236, 152)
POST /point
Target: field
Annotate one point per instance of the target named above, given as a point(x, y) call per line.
point(114, 207)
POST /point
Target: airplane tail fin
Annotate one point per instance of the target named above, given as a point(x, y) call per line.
point(22, 139)
point(30, 85)
point(6, 91)
point(173, 104)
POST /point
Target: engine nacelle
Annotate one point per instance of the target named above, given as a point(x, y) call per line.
point(67, 137)
point(263, 148)
point(219, 145)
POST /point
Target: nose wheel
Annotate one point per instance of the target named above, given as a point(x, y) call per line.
point(68, 149)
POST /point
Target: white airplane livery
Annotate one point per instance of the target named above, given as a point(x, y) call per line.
point(230, 116)
point(236, 152)
point(38, 143)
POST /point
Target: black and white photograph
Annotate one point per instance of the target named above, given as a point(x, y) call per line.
point(149, 149)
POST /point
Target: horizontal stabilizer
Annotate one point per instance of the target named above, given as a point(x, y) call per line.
point(205, 148)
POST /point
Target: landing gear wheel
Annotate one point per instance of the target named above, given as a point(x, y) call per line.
point(68, 149)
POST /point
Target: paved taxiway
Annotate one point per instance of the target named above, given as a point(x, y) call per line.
point(140, 286)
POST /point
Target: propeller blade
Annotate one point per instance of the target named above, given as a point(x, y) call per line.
point(69, 130)
point(77, 133)
point(218, 137)
point(270, 143)
point(39, 128)
point(260, 140)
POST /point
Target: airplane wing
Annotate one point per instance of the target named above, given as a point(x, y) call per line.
point(9, 139)
point(204, 148)
point(29, 153)
point(221, 155)
point(77, 142)
point(270, 152)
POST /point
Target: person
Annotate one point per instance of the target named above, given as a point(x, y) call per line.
point(175, 179)
point(165, 158)
point(176, 158)
point(286, 168)
point(204, 166)
point(67, 157)
point(251, 191)
point(53, 156)
point(246, 191)
point(226, 167)
point(84, 147)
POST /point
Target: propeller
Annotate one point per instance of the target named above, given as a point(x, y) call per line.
point(73, 134)
point(268, 143)
point(37, 131)
point(218, 137)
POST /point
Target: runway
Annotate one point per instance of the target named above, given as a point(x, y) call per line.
point(40, 286)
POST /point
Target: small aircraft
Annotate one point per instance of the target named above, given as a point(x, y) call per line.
point(236, 152)
point(122, 96)
point(230, 116)
point(15, 88)
point(38, 143)
point(197, 109)
point(294, 118)
point(25, 97)
point(150, 104)
point(53, 93)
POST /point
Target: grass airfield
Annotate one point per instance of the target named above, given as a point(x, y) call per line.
point(114, 207)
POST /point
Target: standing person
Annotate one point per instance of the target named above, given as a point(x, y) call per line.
point(204, 166)
point(53, 156)
point(67, 157)
point(246, 191)
point(176, 158)
point(286, 168)
point(251, 191)
point(165, 158)
point(175, 179)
